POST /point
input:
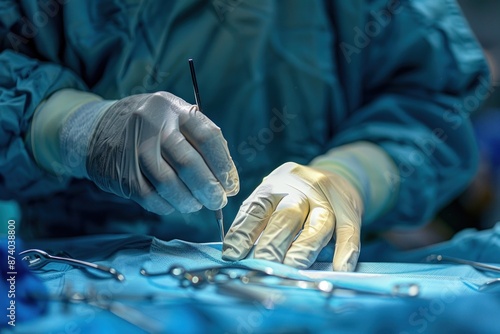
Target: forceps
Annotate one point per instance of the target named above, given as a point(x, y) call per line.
point(489, 286)
point(37, 259)
point(477, 265)
point(218, 213)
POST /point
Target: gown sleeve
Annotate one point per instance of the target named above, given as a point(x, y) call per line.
point(413, 73)
point(26, 79)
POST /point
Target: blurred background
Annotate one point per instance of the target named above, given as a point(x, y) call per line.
point(479, 206)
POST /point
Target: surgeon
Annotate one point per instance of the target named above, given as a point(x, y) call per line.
point(331, 120)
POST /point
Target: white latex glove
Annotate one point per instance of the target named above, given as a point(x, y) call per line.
point(321, 201)
point(155, 149)
point(297, 198)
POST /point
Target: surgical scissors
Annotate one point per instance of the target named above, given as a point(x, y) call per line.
point(37, 259)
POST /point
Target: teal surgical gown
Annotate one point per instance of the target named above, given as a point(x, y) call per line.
point(285, 81)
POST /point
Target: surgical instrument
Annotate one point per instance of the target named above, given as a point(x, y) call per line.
point(202, 276)
point(37, 259)
point(474, 264)
point(329, 289)
point(110, 303)
point(218, 213)
point(490, 286)
point(267, 277)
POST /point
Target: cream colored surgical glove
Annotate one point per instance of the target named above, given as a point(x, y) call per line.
point(329, 198)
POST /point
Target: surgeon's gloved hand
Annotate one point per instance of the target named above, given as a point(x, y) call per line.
point(293, 199)
point(324, 200)
point(155, 149)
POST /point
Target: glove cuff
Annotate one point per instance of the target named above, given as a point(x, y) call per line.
point(61, 126)
point(76, 135)
point(370, 170)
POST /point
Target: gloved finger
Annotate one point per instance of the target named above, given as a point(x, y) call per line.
point(249, 223)
point(347, 243)
point(144, 194)
point(317, 232)
point(192, 170)
point(164, 179)
point(208, 140)
point(283, 225)
point(154, 203)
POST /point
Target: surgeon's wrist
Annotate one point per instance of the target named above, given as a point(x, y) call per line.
point(370, 170)
point(76, 135)
point(48, 136)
